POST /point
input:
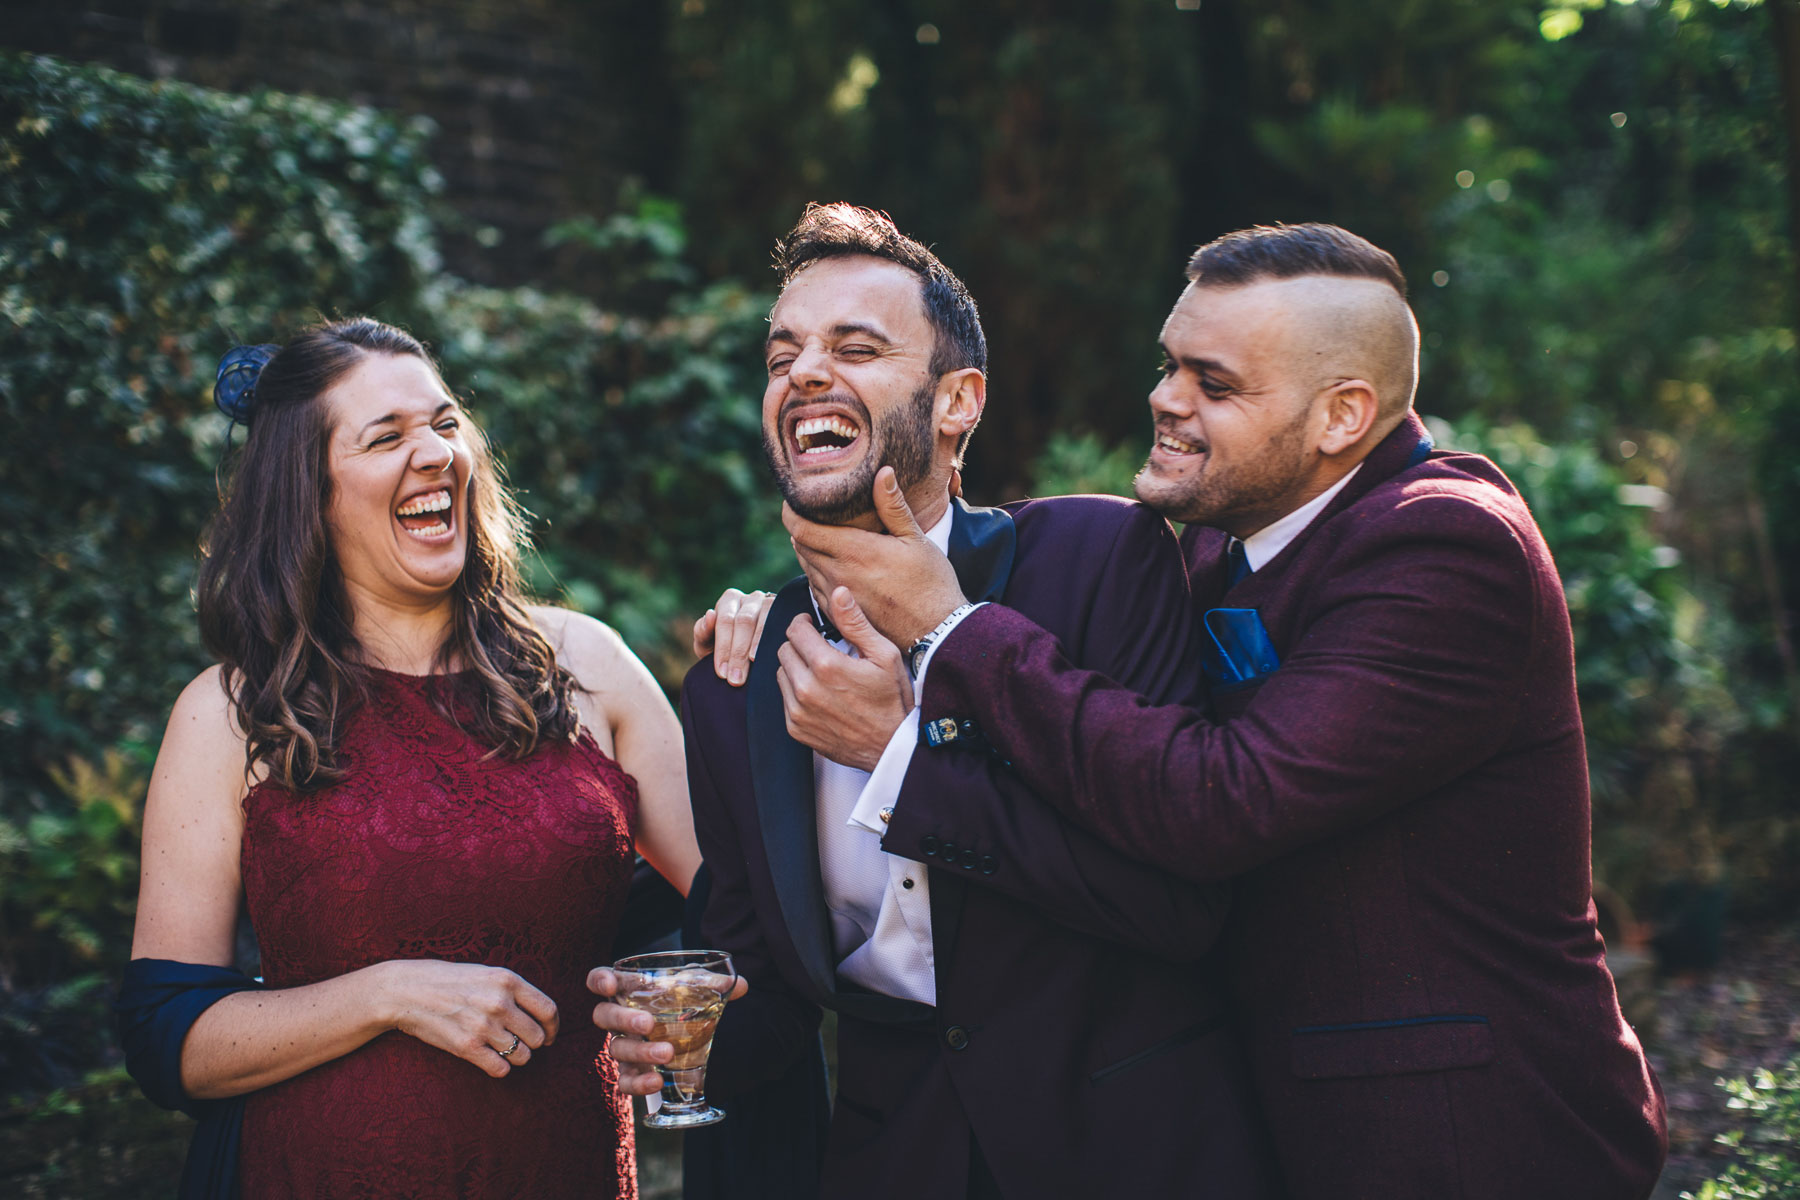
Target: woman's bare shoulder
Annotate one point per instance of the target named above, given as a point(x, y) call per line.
point(205, 713)
point(200, 764)
point(590, 649)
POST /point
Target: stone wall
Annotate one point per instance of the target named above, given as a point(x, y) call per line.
point(528, 95)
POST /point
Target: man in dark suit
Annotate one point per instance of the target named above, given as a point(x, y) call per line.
point(1391, 762)
point(1028, 1015)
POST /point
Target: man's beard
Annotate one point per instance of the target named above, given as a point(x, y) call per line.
point(902, 440)
point(1217, 494)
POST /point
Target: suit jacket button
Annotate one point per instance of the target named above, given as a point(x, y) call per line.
point(947, 852)
point(968, 860)
point(956, 1037)
point(989, 864)
point(929, 845)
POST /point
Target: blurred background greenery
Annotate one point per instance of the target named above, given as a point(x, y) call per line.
point(573, 203)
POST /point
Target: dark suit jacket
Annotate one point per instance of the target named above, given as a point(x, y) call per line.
point(1405, 800)
point(1079, 1037)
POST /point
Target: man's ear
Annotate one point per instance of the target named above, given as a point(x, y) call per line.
point(1350, 411)
point(961, 397)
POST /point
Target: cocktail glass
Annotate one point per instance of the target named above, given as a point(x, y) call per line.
point(685, 991)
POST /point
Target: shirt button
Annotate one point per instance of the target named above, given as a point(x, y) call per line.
point(956, 1037)
point(907, 884)
point(928, 845)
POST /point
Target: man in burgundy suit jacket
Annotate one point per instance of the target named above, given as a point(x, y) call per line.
point(1064, 1032)
point(1391, 761)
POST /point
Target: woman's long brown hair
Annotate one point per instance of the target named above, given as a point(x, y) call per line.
point(272, 603)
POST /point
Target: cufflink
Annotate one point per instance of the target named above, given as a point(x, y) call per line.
point(887, 814)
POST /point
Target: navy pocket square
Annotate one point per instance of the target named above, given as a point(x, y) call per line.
point(1236, 648)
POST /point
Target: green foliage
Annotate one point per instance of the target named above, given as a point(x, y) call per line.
point(69, 873)
point(636, 441)
point(94, 1136)
point(641, 246)
point(50, 1035)
point(1768, 1166)
point(1078, 464)
point(68, 888)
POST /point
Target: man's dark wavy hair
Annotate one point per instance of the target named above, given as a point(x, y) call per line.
point(836, 230)
point(272, 604)
point(1290, 251)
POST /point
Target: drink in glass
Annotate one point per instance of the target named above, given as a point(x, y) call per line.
point(685, 992)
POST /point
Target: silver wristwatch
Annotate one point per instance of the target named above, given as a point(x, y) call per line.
point(915, 655)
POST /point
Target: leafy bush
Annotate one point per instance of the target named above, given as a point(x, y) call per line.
point(69, 871)
point(1075, 464)
point(636, 440)
point(1768, 1167)
point(68, 882)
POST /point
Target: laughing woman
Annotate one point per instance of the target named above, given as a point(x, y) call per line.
point(426, 794)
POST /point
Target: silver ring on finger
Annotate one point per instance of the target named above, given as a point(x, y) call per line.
point(507, 1053)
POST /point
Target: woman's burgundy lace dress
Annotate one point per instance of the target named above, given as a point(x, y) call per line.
point(429, 849)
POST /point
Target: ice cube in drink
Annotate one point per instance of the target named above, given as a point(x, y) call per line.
point(686, 1009)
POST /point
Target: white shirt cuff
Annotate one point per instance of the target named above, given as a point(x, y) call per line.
point(883, 787)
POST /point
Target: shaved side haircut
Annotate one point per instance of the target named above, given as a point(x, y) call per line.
point(1356, 330)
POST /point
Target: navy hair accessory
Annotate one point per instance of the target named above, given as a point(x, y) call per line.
point(235, 390)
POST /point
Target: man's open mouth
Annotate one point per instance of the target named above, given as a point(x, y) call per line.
point(426, 515)
point(1174, 445)
point(821, 437)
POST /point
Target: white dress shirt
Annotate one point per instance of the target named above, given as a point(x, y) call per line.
point(880, 903)
point(1273, 538)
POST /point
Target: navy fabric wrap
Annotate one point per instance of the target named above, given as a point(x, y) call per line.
point(158, 1003)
